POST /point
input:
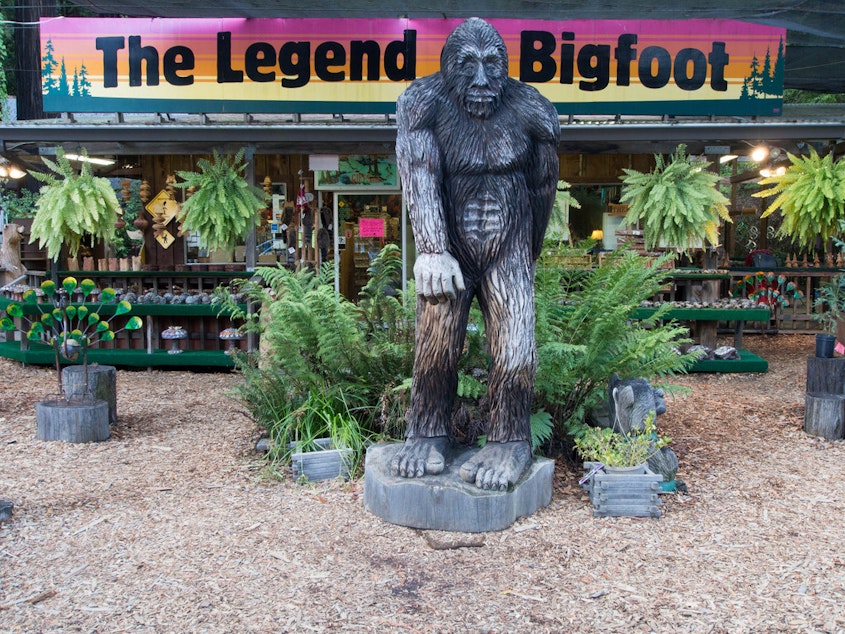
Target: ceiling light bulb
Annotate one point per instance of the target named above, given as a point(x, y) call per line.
point(759, 153)
point(16, 172)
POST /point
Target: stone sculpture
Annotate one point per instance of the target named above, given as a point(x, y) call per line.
point(477, 152)
point(630, 403)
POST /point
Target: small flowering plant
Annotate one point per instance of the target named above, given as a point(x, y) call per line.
point(69, 327)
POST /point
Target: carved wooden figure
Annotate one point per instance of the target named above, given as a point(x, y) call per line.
point(10, 253)
point(477, 152)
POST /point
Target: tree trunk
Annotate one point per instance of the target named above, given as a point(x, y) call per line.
point(28, 56)
point(826, 375)
point(824, 415)
point(72, 422)
point(102, 385)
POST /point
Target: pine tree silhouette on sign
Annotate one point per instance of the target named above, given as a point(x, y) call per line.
point(48, 64)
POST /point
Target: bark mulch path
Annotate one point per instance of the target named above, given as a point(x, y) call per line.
point(174, 525)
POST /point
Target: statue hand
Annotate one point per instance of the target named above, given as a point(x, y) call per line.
point(438, 277)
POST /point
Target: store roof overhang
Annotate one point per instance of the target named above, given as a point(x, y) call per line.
point(199, 134)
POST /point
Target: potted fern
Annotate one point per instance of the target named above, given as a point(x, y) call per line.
point(224, 206)
point(677, 203)
point(71, 206)
point(810, 195)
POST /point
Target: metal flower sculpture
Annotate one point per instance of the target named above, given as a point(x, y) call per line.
point(69, 327)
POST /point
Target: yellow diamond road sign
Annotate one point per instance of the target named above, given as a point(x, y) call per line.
point(164, 206)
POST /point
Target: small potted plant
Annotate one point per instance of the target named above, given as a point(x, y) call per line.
point(617, 478)
point(70, 328)
point(677, 203)
point(830, 306)
point(619, 451)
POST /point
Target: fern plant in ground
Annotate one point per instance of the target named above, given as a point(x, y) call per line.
point(810, 196)
point(224, 206)
point(71, 207)
point(678, 202)
point(315, 342)
point(585, 333)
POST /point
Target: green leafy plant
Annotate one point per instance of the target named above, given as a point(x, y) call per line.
point(357, 358)
point(678, 202)
point(830, 303)
point(73, 206)
point(810, 196)
point(586, 331)
point(18, 204)
point(70, 328)
point(224, 206)
point(318, 416)
point(614, 448)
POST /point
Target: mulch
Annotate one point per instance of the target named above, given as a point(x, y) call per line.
point(176, 525)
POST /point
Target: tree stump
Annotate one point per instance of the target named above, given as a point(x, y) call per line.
point(824, 415)
point(826, 375)
point(102, 384)
point(72, 422)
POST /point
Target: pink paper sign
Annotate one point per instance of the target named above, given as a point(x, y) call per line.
point(371, 228)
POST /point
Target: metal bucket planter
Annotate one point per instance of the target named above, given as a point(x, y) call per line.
point(325, 463)
point(626, 492)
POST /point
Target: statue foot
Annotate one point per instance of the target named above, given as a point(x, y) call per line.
point(497, 465)
point(420, 456)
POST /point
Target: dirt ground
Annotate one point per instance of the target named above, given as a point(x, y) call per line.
point(174, 525)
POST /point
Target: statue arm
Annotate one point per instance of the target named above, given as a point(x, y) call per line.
point(437, 273)
point(420, 166)
point(545, 174)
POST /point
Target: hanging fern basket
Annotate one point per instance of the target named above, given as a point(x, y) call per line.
point(677, 204)
point(810, 196)
point(224, 206)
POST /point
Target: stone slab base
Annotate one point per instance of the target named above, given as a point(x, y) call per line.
point(445, 502)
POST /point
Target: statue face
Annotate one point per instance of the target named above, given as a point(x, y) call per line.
point(474, 64)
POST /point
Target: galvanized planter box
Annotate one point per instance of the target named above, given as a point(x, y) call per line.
point(324, 464)
point(624, 493)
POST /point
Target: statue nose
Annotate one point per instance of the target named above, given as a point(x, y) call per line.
point(480, 77)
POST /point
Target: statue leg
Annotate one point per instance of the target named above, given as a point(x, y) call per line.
point(440, 333)
point(506, 297)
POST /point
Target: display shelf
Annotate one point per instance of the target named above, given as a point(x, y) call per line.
point(39, 354)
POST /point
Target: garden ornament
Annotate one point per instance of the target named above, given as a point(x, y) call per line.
point(477, 152)
point(631, 402)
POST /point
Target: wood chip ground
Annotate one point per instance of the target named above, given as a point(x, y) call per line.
point(174, 525)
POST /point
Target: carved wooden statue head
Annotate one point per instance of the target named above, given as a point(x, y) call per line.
point(474, 65)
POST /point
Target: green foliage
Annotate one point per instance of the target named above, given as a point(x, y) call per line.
point(72, 206)
point(617, 449)
point(810, 196)
point(297, 426)
point(358, 358)
point(18, 204)
point(678, 202)
point(585, 333)
point(224, 206)
point(70, 328)
point(830, 303)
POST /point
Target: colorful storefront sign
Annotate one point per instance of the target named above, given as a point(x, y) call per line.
point(716, 67)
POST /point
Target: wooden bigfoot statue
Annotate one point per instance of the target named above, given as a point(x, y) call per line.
point(477, 152)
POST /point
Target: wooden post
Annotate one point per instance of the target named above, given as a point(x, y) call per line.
point(824, 415)
point(826, 375)
point(102, 385)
